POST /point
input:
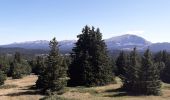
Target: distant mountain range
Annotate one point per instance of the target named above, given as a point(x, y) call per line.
point(124, 42)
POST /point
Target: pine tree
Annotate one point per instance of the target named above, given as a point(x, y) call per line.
point(91, 65)
point(131, 81)
point(121, 64)
point(163, 60)
point(124, 69)
point(135, 65)
point(2, 76)
point(39, 65)
point(4, 63)
point(17, 57)
point(17, 72)
point(150, 76)
point(54, 76)
point(114, 66)
point(19, 67)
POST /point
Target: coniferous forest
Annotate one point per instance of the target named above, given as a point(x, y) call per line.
point(90, 65)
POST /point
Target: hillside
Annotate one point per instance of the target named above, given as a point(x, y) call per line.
point(20, 89)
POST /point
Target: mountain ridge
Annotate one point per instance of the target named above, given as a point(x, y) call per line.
point(123, 42)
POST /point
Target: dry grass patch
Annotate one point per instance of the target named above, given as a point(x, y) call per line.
point(8, 86)
point(20, 89)
point(111, 92)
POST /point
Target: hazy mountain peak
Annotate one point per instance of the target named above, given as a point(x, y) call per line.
point(123, 42)
point(31, 42)
point(128, 39)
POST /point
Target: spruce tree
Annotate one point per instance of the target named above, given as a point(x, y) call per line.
point(2, 76)
point(54, 75)
point(17, 57)
point(19, 67)
point(18, 71)
point(90, 65)
point(131, 81)
point(124, 70)
point(121, 63)
point(164, 56)
point(161, 59)
point(4, 63)
point(150, 76)
point(39, 65)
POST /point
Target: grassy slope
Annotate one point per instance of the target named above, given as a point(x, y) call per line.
point(20, 90)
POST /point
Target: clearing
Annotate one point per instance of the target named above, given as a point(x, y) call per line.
point(20, 89)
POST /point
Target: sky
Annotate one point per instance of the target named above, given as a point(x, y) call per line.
point(29, 20)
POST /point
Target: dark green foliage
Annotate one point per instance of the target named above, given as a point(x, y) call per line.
point(90, 66)
point(2, 77)
point(140, 77)
point(17, 57)
point(54, 76)
point(4, 68)
point(4, 63)
point(121, 64)
point(150, 76)
point(114, 67)
point(19, 67)
point(163, 60)
point(39, 65)
point(17, 72)
point(131, 77)
point(32, 63)
point(68, 60)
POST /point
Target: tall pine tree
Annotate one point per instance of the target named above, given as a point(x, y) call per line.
point(150, 76)
point(91, 65)
point(131, 81)
point(54, 76)
point(121, 64)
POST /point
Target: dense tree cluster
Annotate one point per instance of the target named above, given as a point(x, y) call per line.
point(163, 59)
point(19, 67)
point(140, 75)
point(37, 65)
point(90, 64)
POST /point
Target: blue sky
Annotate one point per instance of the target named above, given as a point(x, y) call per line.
point(27, 20)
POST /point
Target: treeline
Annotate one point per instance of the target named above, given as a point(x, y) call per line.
point(140, 74)
point(15, 67)
point(26, 53)
point(90, 65)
